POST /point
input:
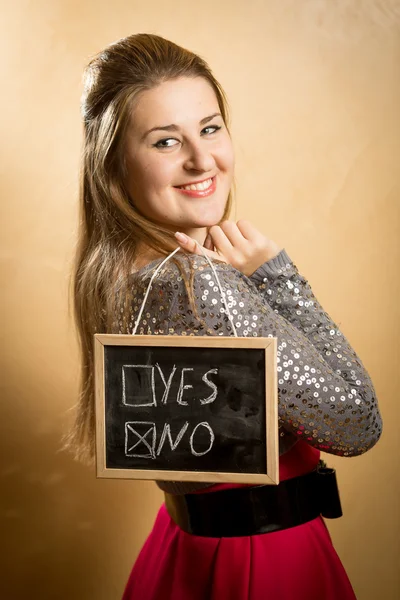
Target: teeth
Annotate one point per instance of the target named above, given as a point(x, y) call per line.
point(199, 186)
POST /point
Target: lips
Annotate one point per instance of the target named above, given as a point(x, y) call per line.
point(200, 193)
point(194, 182)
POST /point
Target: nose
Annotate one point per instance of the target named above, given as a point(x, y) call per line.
point(198, 158)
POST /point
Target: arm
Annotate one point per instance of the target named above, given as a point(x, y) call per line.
point(316, 402)
point(289, 293)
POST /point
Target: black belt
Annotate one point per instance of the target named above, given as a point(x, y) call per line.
point(260, 509)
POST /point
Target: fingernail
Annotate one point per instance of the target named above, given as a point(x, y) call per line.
point(181, 237)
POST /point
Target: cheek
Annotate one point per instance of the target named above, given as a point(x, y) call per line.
point(231, 160)
point(227, 156)
point(143, 170)
point(157, 174)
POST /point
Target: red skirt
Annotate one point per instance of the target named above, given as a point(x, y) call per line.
point(296, 563)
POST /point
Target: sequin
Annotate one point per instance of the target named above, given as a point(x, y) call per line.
point(319, 380)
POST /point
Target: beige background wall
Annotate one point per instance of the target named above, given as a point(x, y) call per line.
point(314, 88)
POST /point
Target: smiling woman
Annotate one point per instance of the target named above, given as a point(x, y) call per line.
point(141, 191)
point(156, 172)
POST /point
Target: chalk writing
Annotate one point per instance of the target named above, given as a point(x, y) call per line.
point(139, 390)
point(137, 380)
point(136, 434)
point(212, 438)
point(136, 439)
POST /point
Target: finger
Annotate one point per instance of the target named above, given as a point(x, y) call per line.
point(220, 241)
point(233, 234)
point(186, 242)
point(190, 245)
point(247, 229)
point(208, 243)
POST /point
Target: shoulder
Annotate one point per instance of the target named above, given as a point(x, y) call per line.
point(190, 296)
point(187, 293)
point(189, 267)
point(189, 279)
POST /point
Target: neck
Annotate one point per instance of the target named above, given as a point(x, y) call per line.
point(145, 255)
point(198, 233)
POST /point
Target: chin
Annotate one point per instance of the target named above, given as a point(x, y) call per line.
point(201, 224)
point(208, 220)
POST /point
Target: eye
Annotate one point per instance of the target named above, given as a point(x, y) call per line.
point(160, 143)
point(215, 127)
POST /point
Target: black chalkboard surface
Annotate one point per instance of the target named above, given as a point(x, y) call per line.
point(186, 408)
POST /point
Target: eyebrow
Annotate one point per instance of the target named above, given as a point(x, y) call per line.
point(174, 127)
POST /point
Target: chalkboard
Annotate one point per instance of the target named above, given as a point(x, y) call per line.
point(186, 408)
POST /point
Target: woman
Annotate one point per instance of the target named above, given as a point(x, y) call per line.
point(156, 124)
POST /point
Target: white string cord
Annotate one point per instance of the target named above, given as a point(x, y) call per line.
point(149, 287)
point(154, 275)
point(220, 289)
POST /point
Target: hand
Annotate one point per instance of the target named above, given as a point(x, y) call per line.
point(239, 244)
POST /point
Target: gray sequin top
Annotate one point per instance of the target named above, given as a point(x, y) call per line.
point(325, 395)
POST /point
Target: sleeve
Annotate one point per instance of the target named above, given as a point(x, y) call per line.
point(333, 409)
point(289, 294)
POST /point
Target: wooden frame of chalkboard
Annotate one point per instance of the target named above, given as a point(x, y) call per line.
point(142, 400)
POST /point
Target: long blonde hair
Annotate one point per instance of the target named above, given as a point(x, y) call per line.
point(110, 228)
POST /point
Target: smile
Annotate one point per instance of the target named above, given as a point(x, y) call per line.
point(199, 190)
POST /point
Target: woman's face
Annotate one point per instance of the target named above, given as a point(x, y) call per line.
point(189, 143)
